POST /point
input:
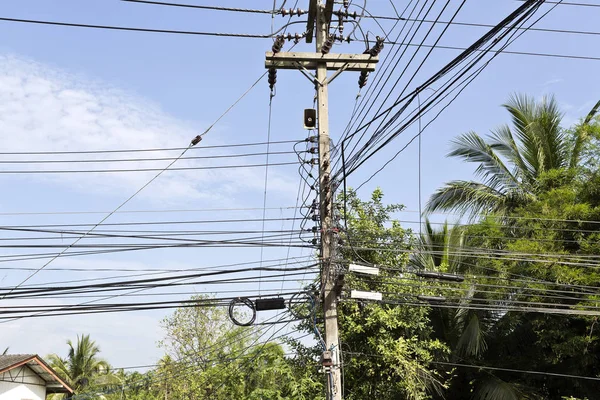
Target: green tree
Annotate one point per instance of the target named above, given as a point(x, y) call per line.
point(461, 328)
point(82, 369)
point(540, 190)
point(386, 348)
point(561, 232)
point(441, 250)
point(208, 357)
point(135, 386)
point(511, 159)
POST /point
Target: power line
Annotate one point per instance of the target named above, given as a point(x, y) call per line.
point(485, 367)
point(511, 217)
point(266, 186)
point(568, 3)
point(193, 142)
point(520, 371)
point(504, 302)
point(522, 53)
point(520, 293)
point(498, 309)
point(187, 222)
point(482, 255)
point(147, 283)
point(168, 237)
point(476, 52)
point(146, 211)
point(201, 7)
point(118, 160)
point(134, 29)
point(95, 171)
point(142, 273)
point(150, 271)
point(480, 25)
point(220, 146)
point(103, 219)
point(258, 36)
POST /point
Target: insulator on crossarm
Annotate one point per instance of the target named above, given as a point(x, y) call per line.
point(272, 77)
point(346, 3)
point(278, 44)
point(376, 49)
point(362, 80)
point(327, 45)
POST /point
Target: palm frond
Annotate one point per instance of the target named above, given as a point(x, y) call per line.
point(473, 148)
point(438, 248)
point(472, 340)
point(537, 127)
point(455, 242)
point(496, 389)
point(546, 128)
point(522, 111)
point(582, 134)
point(504, 143)
point(466, 197)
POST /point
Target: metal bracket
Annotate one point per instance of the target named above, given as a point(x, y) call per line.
point(336, 74)
point(309, 75)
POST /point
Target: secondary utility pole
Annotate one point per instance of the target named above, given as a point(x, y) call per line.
point(319, 19)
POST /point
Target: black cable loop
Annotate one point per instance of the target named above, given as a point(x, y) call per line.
point(296, 299)
point(242, 301)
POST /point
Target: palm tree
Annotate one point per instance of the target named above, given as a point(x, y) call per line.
point(511, 159)
point(82, 368)
point(468, 332)
point(439, 248)
point(461, 328)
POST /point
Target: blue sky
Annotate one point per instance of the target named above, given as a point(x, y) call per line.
point(79, 89)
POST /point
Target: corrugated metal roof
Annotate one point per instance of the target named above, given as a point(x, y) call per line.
point(54, 384)
point(8, 360)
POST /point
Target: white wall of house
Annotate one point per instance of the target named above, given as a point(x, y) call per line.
point(22, 384)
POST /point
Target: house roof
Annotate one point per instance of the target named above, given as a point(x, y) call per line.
point(54, 384)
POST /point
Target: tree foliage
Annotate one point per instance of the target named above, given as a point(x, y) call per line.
point(534, 247)
point(387, 348)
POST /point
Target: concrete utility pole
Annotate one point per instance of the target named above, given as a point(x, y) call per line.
point(321, 61)
point(334, 381)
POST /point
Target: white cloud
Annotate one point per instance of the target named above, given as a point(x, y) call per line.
point(552, 82)
point(46, 109)
point(43, 108)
